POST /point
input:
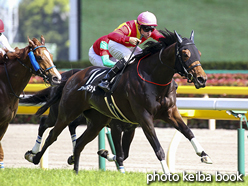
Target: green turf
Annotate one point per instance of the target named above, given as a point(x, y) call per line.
point(61, 177)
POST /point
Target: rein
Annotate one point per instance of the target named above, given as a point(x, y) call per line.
point(185, 73)
point(147, 80)
point(5, 67)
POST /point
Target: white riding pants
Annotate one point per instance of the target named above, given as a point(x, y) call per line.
point(119, 51)
point(4, 42)
point(95, 59)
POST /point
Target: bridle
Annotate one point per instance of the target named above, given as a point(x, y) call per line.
point(37, 70)
point(181, 67)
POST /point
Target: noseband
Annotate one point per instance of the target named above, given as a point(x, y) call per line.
point(181, 67)
point(37, 69)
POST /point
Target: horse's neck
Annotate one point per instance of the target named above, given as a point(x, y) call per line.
point(19, 75)
point(161, 69)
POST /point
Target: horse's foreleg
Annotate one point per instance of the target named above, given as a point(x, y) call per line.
point(150, 133)
point(179, 124)
point(45, 123)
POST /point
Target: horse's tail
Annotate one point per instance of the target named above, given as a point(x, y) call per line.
point(56, 97)
point(56, 92)
point(39, 97)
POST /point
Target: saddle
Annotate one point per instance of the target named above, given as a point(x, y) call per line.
point(95, 78)
point(91, 86)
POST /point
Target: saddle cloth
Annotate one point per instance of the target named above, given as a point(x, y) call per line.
point(95, 78)
point(91, 86)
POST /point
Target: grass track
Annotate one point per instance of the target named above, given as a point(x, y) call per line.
point(62, 177)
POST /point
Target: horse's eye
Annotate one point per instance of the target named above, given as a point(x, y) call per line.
point(185, 54)
point(38, 58)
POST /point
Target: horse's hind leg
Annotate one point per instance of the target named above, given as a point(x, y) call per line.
point(177, 121)
point(121, 141)
point(96, 121)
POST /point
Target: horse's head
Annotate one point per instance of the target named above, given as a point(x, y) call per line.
point(188, 61)
point(42, 61)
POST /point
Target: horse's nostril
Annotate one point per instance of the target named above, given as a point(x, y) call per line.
point(201, 80)
point(55, 79)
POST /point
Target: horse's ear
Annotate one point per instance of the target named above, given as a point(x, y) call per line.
point(199, 52)
point(42, 40)
point(192, 36)
point(31, 43)
point(179, 39)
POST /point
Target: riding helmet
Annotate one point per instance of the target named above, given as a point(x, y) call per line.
point(147, 18)
point(1, 26)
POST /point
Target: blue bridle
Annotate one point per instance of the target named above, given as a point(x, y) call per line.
point(34, 62)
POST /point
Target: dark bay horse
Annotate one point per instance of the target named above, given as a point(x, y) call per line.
point(117, 127)
point(16, 69)
point(143, 94)
point(49, 121)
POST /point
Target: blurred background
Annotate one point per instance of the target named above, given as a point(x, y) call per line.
point(70, 27)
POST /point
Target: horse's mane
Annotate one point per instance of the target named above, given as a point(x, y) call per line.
point(152, 47)
point(23, 52)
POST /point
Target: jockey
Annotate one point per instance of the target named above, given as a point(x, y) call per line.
point(124, 38)
point(99, 54)
point(3, 40)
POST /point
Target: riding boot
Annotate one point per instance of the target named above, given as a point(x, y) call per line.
point(104, 84)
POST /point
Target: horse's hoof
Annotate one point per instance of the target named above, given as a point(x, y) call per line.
point(103, 153)
point(1, 166)
point(36, 159)
point(122, 169)
point(29, 156)
point(206, 159)
point(70, 160)
point(76, 172)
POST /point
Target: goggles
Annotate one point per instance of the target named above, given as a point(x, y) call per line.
point(147, 28)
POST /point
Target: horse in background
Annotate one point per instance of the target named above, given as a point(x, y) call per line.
point(16, 69)
point(143, 94)
point(49, 120)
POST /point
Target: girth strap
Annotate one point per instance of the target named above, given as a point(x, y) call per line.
point(113, 108)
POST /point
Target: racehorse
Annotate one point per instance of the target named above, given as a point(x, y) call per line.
point(144, 93)
point(16, 69)
point(49, 121)
point(117, 127)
